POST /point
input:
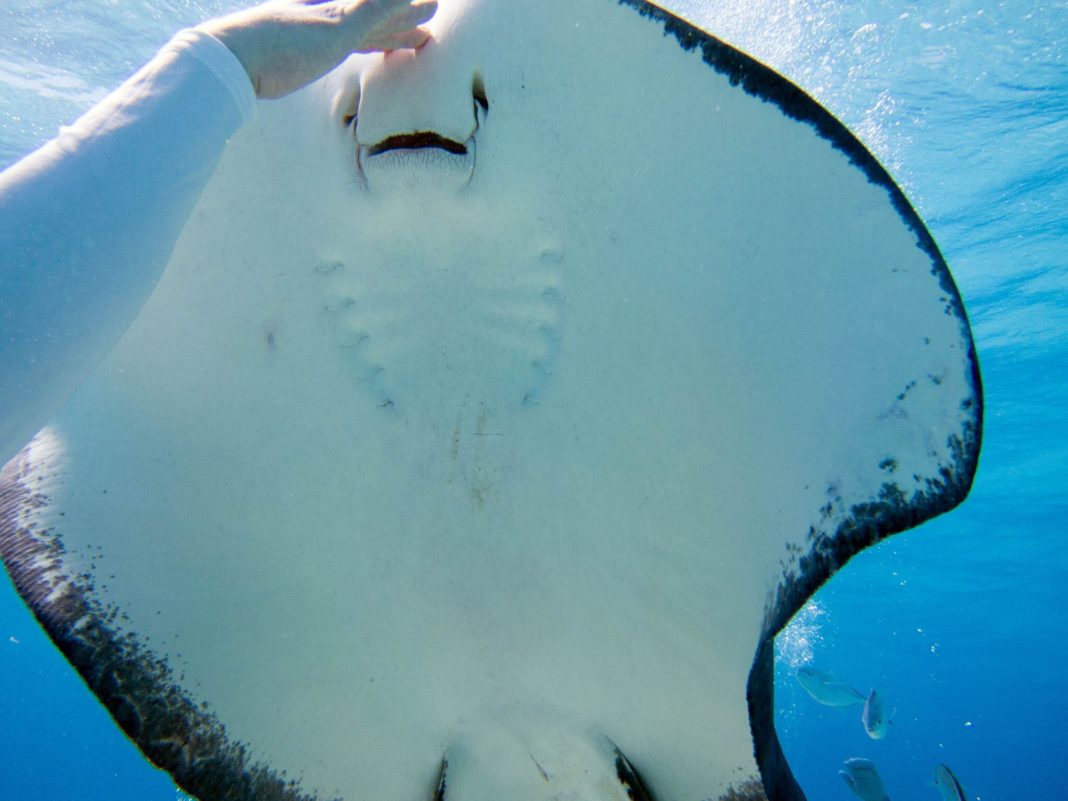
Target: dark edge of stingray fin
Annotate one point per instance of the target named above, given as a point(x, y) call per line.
point(137, 688)
point(892, 511)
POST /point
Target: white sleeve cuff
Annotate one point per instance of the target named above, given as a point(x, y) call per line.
point(224, 65)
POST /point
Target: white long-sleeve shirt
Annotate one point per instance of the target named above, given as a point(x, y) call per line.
point(89, 220)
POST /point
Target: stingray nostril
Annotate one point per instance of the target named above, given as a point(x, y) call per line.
point(478, 92)
point(629, 778)
point(347, 103)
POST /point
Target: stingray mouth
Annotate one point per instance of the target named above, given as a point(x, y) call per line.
point(417, 141)
point(418, 160)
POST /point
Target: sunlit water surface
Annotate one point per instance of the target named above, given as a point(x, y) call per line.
point(959, 624)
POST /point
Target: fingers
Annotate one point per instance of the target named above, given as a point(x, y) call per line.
point(390, 16)
point(285, 44)
point(413, 14)
point(414, 39)
point(394, 23)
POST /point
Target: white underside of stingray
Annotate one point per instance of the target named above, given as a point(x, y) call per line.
point(512, 458)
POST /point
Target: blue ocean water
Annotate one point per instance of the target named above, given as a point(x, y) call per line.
point(959, 624)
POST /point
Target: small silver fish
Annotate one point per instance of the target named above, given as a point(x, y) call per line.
point(948, 785)
point(863, 779)
point(873, 716)
point(828, 689)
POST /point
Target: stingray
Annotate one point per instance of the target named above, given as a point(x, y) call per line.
point(499, 404)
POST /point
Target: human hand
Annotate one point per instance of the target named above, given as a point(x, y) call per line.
point(286, 44)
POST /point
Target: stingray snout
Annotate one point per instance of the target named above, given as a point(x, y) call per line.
point(415, 128)
point(424, 158)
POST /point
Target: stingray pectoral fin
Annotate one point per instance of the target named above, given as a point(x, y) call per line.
point(868, 384)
